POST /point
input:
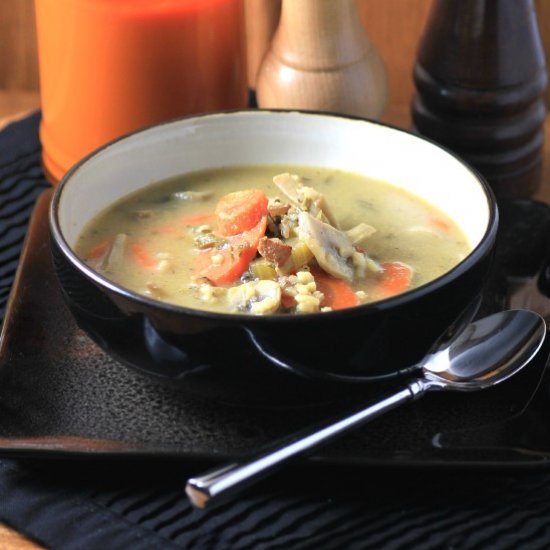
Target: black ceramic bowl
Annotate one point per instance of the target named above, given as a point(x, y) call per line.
point(371, 342)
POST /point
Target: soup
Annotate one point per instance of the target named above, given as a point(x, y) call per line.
point(271, 240)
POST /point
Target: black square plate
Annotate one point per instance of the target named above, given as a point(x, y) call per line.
point(62, 396)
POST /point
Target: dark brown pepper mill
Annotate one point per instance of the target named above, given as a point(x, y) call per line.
point(480, 77)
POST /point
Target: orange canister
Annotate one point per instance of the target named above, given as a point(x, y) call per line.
point(108, 67)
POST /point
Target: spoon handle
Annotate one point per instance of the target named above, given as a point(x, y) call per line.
point(224, 481)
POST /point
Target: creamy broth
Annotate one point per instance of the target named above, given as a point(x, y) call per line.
point(159, 229)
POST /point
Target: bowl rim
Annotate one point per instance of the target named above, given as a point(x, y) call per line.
point(479, 251)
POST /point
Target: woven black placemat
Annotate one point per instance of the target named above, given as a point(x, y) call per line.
point(101, 504)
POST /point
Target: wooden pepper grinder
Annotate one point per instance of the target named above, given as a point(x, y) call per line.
point(261, 18)
point(321, 59)
point(480, 77)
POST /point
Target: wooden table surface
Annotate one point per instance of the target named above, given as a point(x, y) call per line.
point(16, 105)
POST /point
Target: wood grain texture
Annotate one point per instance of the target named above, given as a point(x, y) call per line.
point(11, 540)
point(395, 27)
point(261, 18)
point(321, 59)
point(17, 102)
point(18, 56)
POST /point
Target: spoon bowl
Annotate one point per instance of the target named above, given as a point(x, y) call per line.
point(484, 354)
point(511, 339)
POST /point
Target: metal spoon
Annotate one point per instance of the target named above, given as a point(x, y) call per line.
point(487, 352)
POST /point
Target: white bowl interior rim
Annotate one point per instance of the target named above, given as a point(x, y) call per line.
point(283, 138)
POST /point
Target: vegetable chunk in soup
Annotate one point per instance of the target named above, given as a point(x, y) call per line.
point(271, 240)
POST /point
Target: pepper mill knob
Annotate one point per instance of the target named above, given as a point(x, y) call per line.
point(321, 59)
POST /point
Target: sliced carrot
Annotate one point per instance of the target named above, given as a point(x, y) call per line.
point(240, 211)
point(141, 256)
point(225, 265)
point(98, 251)
point(338, 293)
point(199, 219)
point(395, 278)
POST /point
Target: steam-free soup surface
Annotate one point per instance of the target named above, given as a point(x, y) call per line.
point(271, 240)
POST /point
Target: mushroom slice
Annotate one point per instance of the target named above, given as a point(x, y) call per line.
point(289, 185)
point(258, 297)
point(307, 198)
point(316, 204)
point(115, 255)
point(331, 247)
point(360, 233)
